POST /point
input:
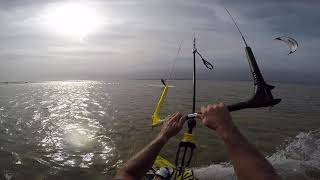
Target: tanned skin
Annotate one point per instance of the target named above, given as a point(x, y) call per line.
point(248, 162)
point(136, 167)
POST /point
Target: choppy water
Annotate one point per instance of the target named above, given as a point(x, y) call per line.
point(87, 129)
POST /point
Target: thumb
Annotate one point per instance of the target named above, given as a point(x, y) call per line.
point(199, 116)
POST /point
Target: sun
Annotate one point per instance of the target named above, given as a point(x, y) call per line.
point(72, 20)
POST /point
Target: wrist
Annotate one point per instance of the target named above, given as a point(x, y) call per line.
point(162, 138)
point(226, 132)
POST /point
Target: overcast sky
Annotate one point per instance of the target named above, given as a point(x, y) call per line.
point(139, 39)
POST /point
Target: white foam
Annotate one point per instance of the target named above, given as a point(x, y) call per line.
point(300, 159)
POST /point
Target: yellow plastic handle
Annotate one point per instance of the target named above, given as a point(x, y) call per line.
point(156, 120)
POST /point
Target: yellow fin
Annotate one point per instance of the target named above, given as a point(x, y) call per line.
point(156, 120)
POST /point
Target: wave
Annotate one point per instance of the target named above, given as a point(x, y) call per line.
point(299, 159)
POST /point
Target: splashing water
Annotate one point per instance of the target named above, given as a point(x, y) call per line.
point(299, 159)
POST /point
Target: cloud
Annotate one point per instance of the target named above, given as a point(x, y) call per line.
point(139, 36)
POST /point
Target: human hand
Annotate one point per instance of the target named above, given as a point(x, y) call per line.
point(218, 118)
point(173, 125)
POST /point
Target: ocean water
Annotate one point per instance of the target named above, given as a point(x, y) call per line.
point(87, 129)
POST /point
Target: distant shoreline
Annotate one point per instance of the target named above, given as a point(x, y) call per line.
point(14, 82)
point(150, 79)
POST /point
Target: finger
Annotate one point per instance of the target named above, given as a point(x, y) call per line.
point(202, 109)
point(172, 115)
point(169, 117)
point(213, 108)
point(225, 107)
point(221, 105)
point(176, 117)
point(209, 107)
point(198, 116)
point(182, 120)
point(174, 124)
point(198, 119)
point(170, 121)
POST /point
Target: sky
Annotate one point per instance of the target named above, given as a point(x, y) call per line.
point(101, 39)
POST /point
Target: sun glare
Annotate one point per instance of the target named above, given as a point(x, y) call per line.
point(72, 20)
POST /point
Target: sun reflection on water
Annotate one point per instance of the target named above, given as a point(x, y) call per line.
point(72, 134)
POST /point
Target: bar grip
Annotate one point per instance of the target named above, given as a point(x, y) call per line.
point(238, 106)
point(253, 103)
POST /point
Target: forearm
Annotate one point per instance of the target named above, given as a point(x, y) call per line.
point(136, 167)
point(248, 162)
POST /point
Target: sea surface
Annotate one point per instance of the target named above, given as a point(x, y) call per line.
point(87, 129)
